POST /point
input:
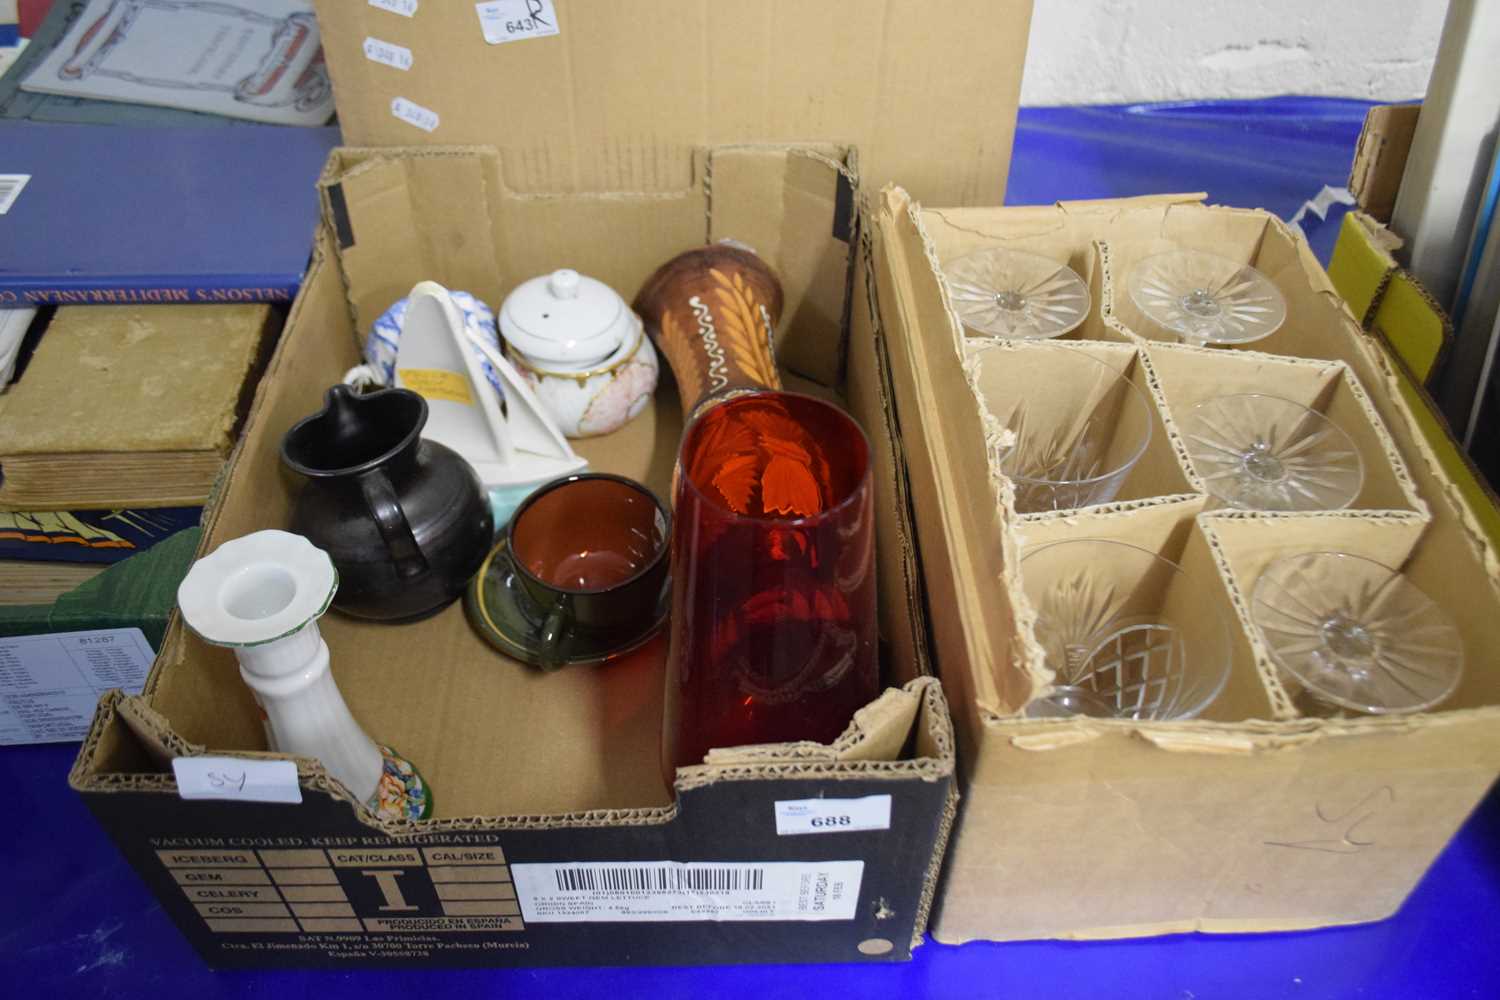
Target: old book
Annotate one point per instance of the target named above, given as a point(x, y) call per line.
point(231, 221)
point(24, 584)
point(129, 406)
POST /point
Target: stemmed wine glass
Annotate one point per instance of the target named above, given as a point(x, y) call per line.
point(1012, 293)
point(1260, 452)
point(1118, 635)
point(1205, 298)
point(1075, 425)
point(1350, 634)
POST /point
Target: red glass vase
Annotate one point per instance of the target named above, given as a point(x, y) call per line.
point(773, 633)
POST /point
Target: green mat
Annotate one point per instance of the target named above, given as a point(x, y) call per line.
point(137, 592)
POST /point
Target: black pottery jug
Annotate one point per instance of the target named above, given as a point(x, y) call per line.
point(405, 520)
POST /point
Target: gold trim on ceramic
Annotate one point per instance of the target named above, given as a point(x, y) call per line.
point(521, 361)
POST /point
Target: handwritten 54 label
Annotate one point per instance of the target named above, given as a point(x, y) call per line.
point(237, 779)
point(516, 20)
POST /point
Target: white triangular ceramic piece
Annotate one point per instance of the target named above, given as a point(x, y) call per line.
point(520, 444)
point(534, 429)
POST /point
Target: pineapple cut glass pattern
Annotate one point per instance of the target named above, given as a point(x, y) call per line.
point(1073, 446)
point(1118, 645)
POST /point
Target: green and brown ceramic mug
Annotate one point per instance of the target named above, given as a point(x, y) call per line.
point(589, 552)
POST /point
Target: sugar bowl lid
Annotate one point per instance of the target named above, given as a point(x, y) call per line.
point(565, 318)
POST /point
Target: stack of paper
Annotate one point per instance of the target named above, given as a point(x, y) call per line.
point(260, 61)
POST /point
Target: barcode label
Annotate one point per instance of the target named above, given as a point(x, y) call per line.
point(671, 890)
point(10, 189)
point(650, 879)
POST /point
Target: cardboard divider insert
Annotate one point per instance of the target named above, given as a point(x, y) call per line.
point(1240, 820)
point(1318, 358)
point(1194, 601)
point(1443, 567)
point(1244, 546)
point(1052, 397)
point(956, 232)
point(1192, 375)
point(1109, 238)
point(1244, 235)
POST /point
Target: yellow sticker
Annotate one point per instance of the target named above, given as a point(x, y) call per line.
point(437, 383)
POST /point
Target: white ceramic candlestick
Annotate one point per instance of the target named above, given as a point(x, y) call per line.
point(261, 595)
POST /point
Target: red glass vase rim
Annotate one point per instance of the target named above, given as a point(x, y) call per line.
point(729, 513)
point(663, 544)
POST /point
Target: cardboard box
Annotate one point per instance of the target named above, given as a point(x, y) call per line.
point(1251, 817)
point(532, 769)
point(1394, 308)
point(596, 95)
point(1380, 157)
point(1416, 337)
point(605, 137)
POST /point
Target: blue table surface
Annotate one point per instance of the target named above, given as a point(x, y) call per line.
point(76, 921)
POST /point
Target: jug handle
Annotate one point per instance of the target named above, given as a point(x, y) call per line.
point(380, 498)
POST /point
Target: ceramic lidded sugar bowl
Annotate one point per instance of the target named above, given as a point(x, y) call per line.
point(583, 350)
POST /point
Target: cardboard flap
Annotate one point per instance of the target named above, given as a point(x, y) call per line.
point(1416, 328)
point(1363, 263)
point(1380, 157)
point(794, 207)
point(1129, 204)
point(956, 499)
point(611, 96)
point(878, 731)
point(377, 204)
point(154, 731)
point(398, 223)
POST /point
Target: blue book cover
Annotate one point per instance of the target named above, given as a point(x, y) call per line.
point(99, 215)
point(89, 536)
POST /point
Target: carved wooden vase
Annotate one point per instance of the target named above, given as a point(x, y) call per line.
point(713, 313)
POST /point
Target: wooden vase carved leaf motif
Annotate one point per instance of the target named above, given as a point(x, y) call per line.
point(748, 334)
point(713, 313)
